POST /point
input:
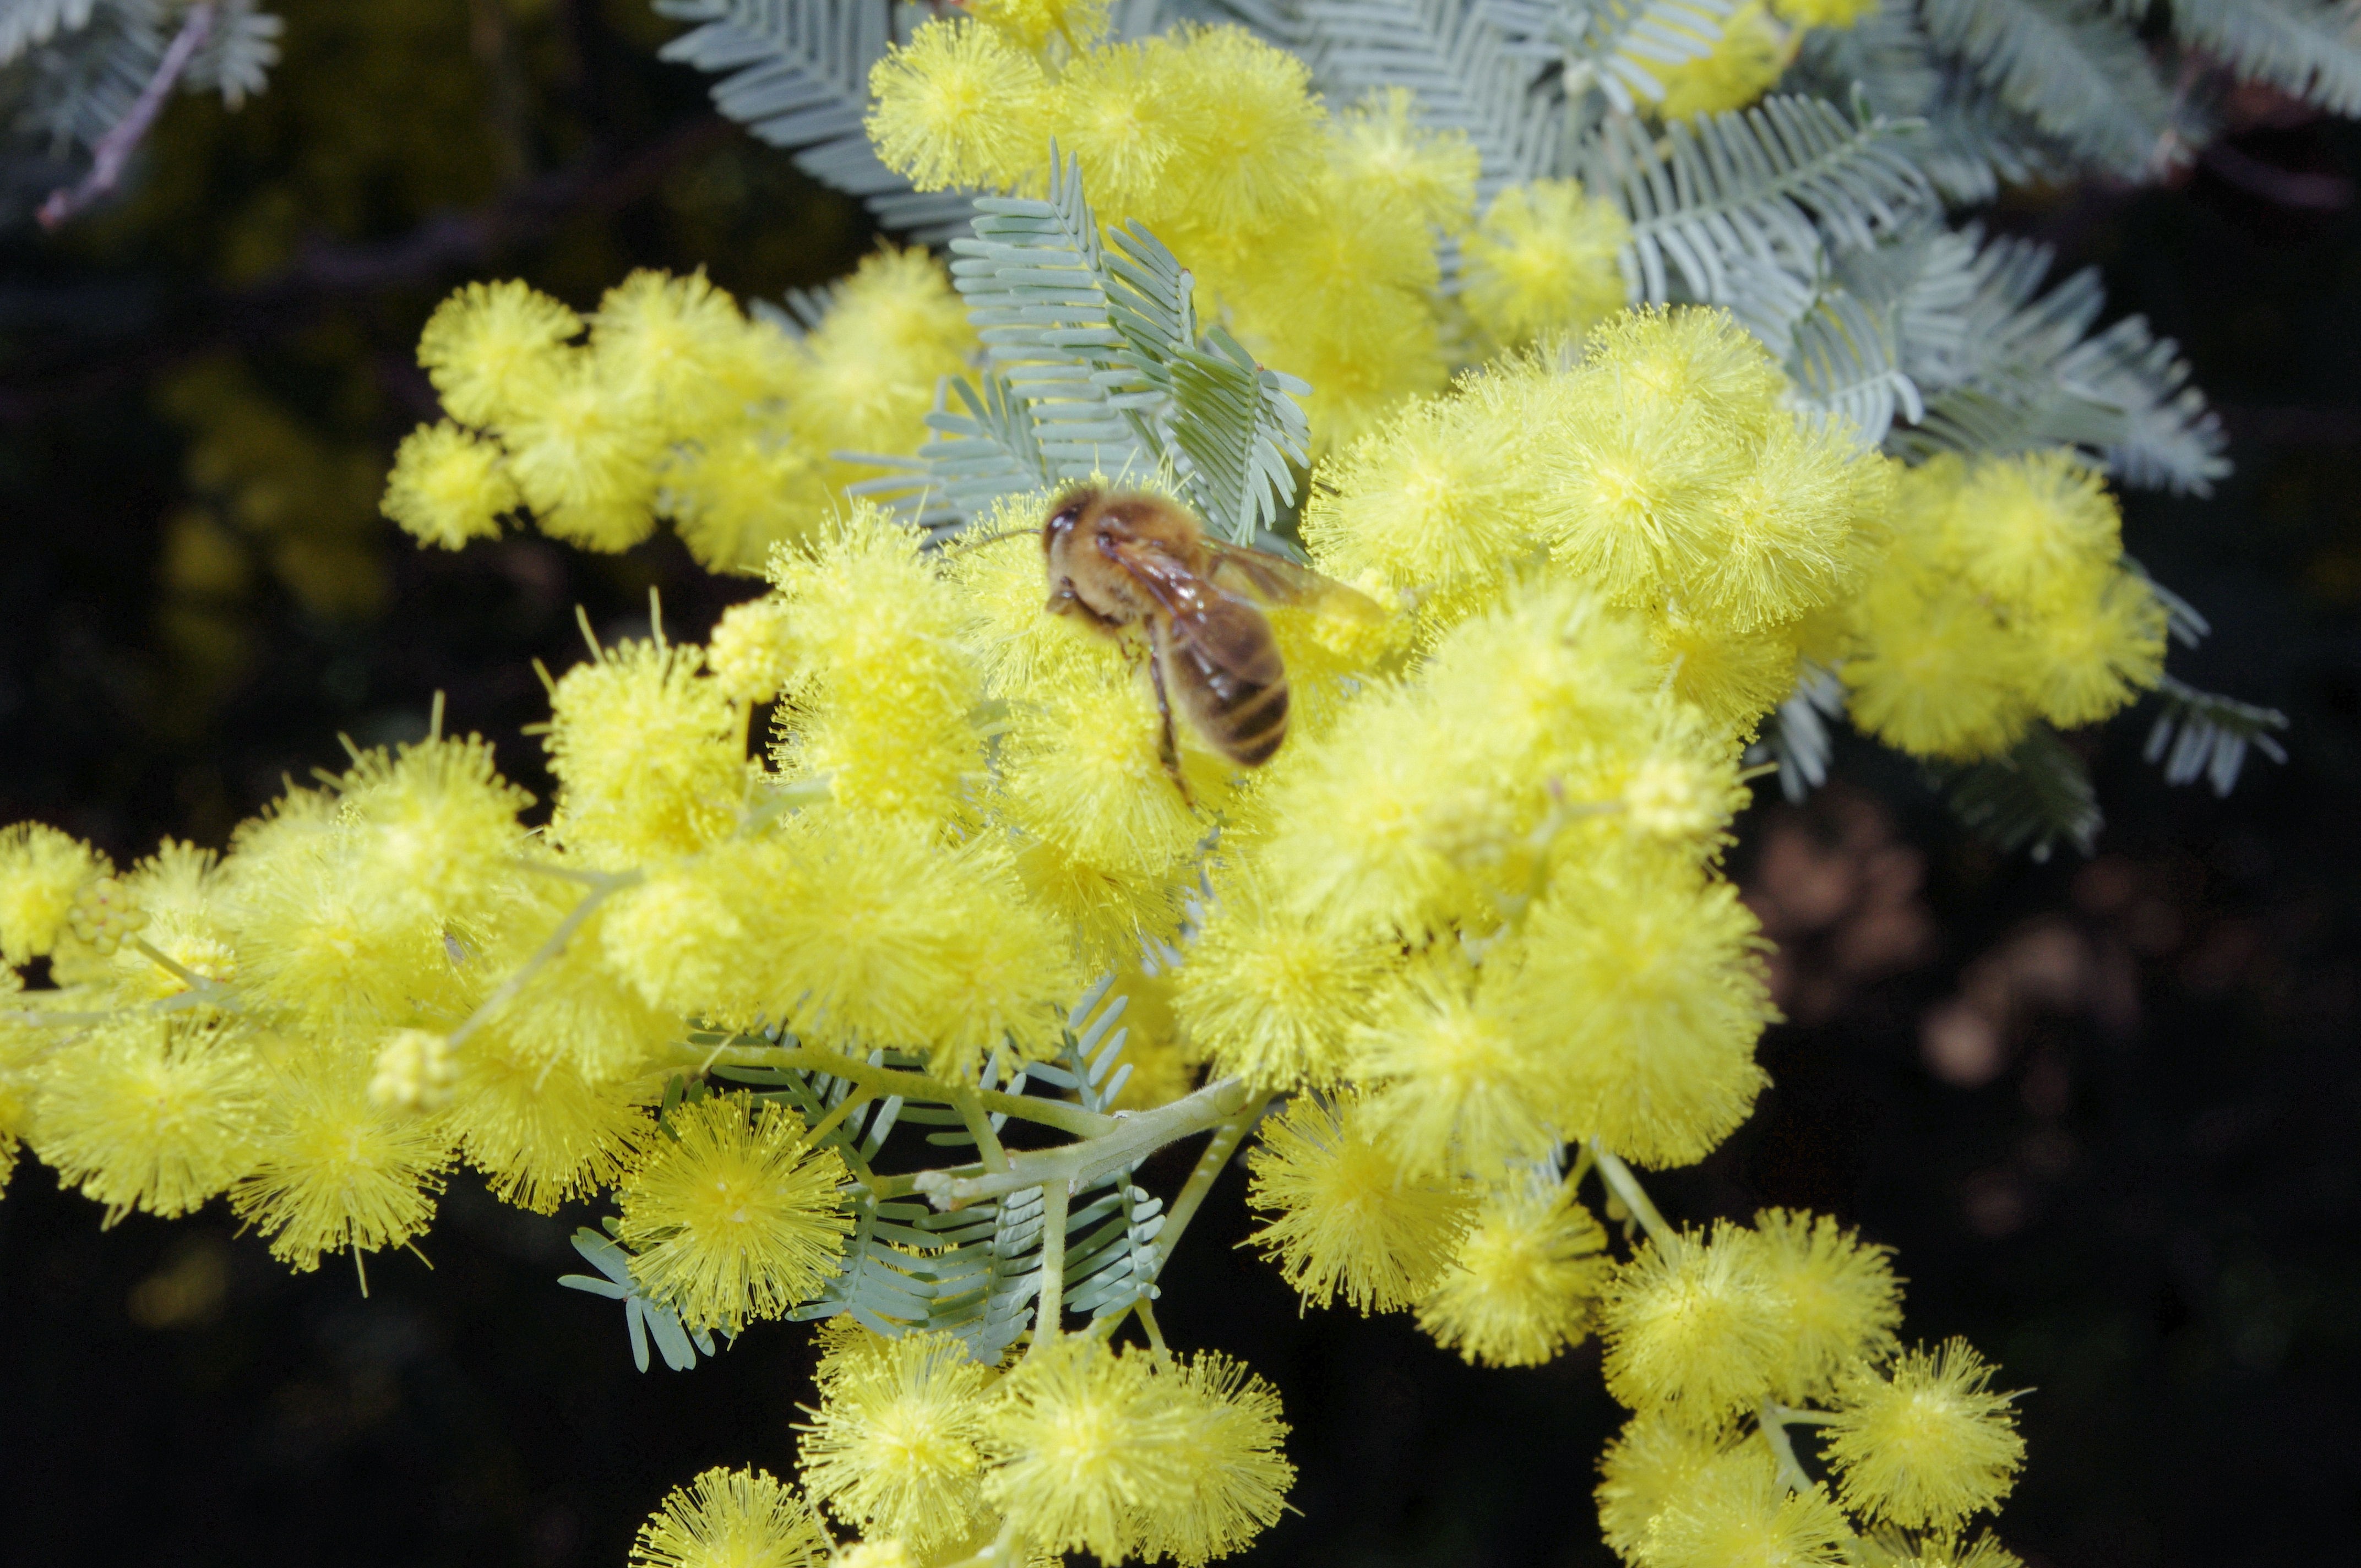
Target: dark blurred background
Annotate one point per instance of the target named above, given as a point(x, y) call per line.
point(2105, 1109)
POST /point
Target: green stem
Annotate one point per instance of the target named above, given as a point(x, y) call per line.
point(1209, 1165)
point(845, 1107)
point(1064, 1115)
point(601, 885)
point(180, 971)
point(979, 1127)
point(1624, 1185)
point(1148, 1321)
point(1126, 1140)
point(1049, 1309)
point(1774, 1432)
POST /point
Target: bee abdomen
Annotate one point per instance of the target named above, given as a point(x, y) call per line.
point(1249, 727)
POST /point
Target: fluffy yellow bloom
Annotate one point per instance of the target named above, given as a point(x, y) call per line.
point(1928, 1445)
point(414, 1071)
point(1651, 1462)
point(173, 903)
point(1116, 114)
point(1378, 147)
point(1032, 23)
point(2092, 646)
point(959, 104)
point(575, 1007)
point(1429, 500)
point(1251, 147)
point(1082, 1445)
point(1348, 1220)
point(1732, 677)
point(752, 651)
point(1655, 993)
point(731, 1518)
point(868, 373)
point(1113, 912)
point(449, 486)
point(492, 348)
point(1744, 62)
point(1080, 768)
point(2020, 523)
point(1795, 531)
point(1735, 1513)
point(1693, 359)
point(584, 456)
point(1269, 995)
point(879, 689)
point(678, 939)
point(650, 753)
point(338, 1170)
point(1447, 1083)
point(1523, 1284)
point(730, 1215)
point(1937, 673)
point(660, 338)
point(740, 489)
point(1023, 652)
point(1839, 1301)
point(892, 1448)
point(433, 825)
point(40, 871)
point(1824, 12)
point(1641, 480)
point(1543, 262)
point(888, 1553)
point(538, 1129)
point(1692, 1329)
point(150, 1113)
point(316, 939)
point(1227, 1446)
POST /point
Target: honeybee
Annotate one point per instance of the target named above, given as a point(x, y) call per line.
point(1132, 564)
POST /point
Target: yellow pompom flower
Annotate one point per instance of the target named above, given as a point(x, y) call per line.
point(959, 104)
point(1447, 1083)
point(1543, 262)
point(1021, 652)
point(1251, 147)
point(1081, 769)
point(1226, 1448)
point(1638, 482)
point(731, 1215)
point(750, 651)
point(449, 486)
point(1736, 1513)
point(892, 1448)
point(2020, 523)
point(338, 1170)
point(677, 938)
point(1348, 1220)
point(1733, 678)
point(150, 1113)
point(1926, 1445)
point(886, 1553)
point(1839, 1301)
point(1692, 1329)
point(492, 349)
point(583, 458)
point(1937, 674)
point(1523, 1284)
point(1651, 995)
point(1267, 994)
point(1082, 1444)
point(1689, 358)
point(868, 373)
point(663, 341)
point(1650, 1462)
point(315, 939)
point(1743, 64)
point(731, 1518)
point(1114, 113)
point(1378, 147)
point(1823, 13)
point(1429, 500)
point(1795, 531)
point(433, 825)
point(2092, 646)
point(1033, 23)
point(740, 490)
point(40, 871)
point(414, 1071)
point(539, 1130)
point(650, 753)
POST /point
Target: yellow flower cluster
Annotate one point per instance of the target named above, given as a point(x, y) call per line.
point(1723, 1345)
point(2003, 598)
point(676, 405)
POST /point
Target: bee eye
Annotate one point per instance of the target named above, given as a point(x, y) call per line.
point(1066, 518)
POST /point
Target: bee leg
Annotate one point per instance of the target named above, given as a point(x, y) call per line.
point(1168, 750)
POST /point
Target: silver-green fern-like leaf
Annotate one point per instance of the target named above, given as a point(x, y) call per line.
point(2201, 735)
point(1846, 364)
point(796, 73)
point(2032, 798)
point(2076, 72)
point(2305, 48)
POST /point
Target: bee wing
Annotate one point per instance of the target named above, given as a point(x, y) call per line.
point(1265, 578)
point(1219, 630)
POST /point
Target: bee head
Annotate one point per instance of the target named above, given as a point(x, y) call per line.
point(1066, 514)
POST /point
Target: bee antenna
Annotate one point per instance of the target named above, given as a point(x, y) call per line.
point(969, 543)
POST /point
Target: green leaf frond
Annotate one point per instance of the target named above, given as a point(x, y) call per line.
point(796, 73)
point(2312, 51)
point(2078, 73)
point(1613, 47)
point(1798, 737)
point(2032, 798)
point(1096, 365)
point(2201, 735)
point(642, 1317)
point(2026, 372)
